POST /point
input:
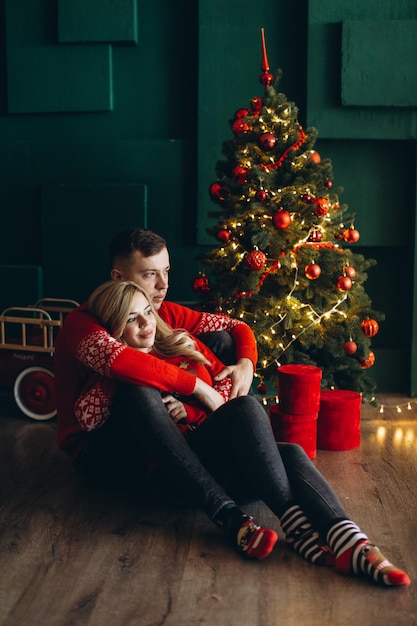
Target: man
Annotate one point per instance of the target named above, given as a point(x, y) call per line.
point(83, 347)
point(142, 256)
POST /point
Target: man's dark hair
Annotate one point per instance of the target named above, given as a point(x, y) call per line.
point(128, 241)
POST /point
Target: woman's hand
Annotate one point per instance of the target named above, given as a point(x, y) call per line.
point(175, 408)
point(208, 396)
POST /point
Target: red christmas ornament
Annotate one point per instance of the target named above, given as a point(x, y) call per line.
point(344, 283)
point(350, 271)
point(262, 389)
point(219, 191)
point(261, 195)
point(350, 347)
point(316, 235)
point(312, 271)
point(281, 219)
point(267, 141)
point(256, 260)
point(367, 361)
point(200, 284)
point(241, 113)
point(256, 105)
point(306, 197)
point(369, 327)
point(315, 157)
point(224, 235)
point(240, 127)
point(240, 174)
point(328, 184)
point(351, 235)
point(266, 79)
point(321, 206)
point(341, 234)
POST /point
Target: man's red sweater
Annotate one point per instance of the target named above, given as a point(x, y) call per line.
point(86, 352)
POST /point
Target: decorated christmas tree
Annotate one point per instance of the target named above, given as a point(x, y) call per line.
point(284, 260)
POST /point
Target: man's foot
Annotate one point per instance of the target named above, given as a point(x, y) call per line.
point(255, 542)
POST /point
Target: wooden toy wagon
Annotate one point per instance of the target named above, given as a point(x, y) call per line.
point(27, 336)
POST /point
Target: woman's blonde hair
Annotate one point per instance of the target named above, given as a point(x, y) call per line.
point(111, 302)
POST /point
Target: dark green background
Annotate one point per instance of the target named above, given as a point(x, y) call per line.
point(113, 113)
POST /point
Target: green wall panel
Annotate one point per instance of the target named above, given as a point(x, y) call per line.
point(21, 285)
point(56, 79)
point(97, 20)
point(412, 259)
point(43, 77)
point(371, 74)
point(325, 106)
point(375, 177)
point(20, 232)
point(78, 223)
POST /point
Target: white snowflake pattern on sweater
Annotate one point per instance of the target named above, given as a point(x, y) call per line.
point(215, 321)
point(92, 408)
point(98, 351)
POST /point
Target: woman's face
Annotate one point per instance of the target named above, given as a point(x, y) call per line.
point(140, 326)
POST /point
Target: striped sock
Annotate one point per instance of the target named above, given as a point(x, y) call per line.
point(303, 539)
point(356, 555)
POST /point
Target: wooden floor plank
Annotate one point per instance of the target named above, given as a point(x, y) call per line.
point(71, 556)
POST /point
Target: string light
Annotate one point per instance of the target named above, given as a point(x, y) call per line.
point(398, 407)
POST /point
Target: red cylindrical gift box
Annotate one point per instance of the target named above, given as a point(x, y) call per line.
point(301, 429)
point(339, 420)
point(299, 389)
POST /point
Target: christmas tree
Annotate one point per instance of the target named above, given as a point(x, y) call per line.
point(283, 262)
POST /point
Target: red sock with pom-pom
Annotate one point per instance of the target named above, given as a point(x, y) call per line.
point(356, 555)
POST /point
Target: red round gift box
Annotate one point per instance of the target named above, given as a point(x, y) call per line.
point(299, 389)
point(301, 429)
point(339, 420)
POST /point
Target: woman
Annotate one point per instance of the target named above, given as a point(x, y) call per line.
point(208, 454)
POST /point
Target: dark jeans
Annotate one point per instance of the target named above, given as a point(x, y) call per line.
point(231, 456)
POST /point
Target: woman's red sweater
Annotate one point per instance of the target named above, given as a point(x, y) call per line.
point(89, 362)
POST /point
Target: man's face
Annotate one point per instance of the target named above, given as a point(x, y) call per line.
point(149, 272)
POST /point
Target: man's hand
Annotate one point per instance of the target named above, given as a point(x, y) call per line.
point(242, 376)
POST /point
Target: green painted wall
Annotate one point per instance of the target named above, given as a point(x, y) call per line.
point(113, 113)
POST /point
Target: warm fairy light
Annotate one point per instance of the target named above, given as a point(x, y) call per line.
point(398, 436)
point(381, 434)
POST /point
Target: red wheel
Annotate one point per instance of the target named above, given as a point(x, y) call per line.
point(34, 392)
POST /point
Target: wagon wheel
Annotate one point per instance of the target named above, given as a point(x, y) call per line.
point(34, 392)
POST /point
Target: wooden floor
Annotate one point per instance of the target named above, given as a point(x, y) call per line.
point(69, 556)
